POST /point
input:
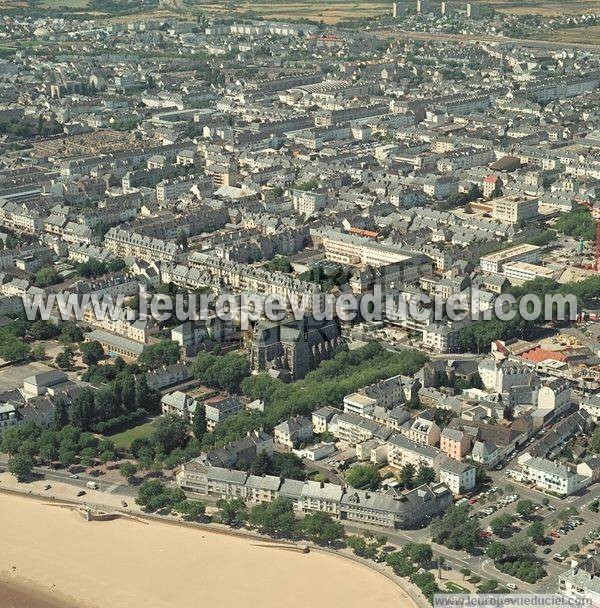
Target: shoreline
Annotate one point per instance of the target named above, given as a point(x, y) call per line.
point(17, 592)
point(411, 595)
point(220, 541)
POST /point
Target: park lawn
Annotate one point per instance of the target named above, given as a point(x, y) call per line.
point(456, 588)
point(330, 12)
point(126, 438)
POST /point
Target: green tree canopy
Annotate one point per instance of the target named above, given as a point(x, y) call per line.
point(21, 466)
point(321, 528)
point(364, 477)
point(170, 432)
point(166, 352)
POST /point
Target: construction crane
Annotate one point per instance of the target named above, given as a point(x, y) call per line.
point(596, 215)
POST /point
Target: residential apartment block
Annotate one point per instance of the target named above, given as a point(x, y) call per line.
point(354, 506)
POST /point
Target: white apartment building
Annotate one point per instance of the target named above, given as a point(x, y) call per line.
point(514, 208)
point(172, 189)
point(8, 417)
point(581, 582)
point(243, 277)
point(440, 187)
point(494, 262)
point(359, 404)
point(592, 406)
point(218, 409)
point(25, 217)
point(441, 337)
point(360, 251)
point(424, 432)
point(355, 429)
point(322, 417)
point(402, 450)
point(123, 243)
point(308, 202)
point(464, 159)
point(501, 376)
point(292, 432)
point(523, 271)
point(132, 330)
point(179, 403)
point(554, 477)
point(555, 395)
point(458, 476)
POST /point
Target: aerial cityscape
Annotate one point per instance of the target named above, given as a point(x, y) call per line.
point(299, 301)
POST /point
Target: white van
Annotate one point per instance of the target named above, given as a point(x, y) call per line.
point(92, 485)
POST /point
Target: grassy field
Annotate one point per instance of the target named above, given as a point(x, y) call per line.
point(330, 12)
point(126, 438)
point(65, 3)
point(590, 35)
point(546, 8)
point(456, 588)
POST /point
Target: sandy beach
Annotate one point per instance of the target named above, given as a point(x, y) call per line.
point(52, 558)
point(15, 593)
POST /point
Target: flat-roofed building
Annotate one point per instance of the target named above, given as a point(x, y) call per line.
point(359, 404)
point(402, 451)
point(494, 262)
point(514, 208)
point(38, 384)
point(523, 271)
point(355, 429)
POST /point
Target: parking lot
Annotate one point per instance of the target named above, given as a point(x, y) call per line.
point(567, 531)
point(12, 376)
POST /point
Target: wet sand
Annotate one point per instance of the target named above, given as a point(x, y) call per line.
point(53, 558)
point(15, 593)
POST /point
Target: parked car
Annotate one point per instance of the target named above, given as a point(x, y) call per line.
point(81, 493)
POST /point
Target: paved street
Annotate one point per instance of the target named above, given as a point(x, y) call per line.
point(81, 481)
